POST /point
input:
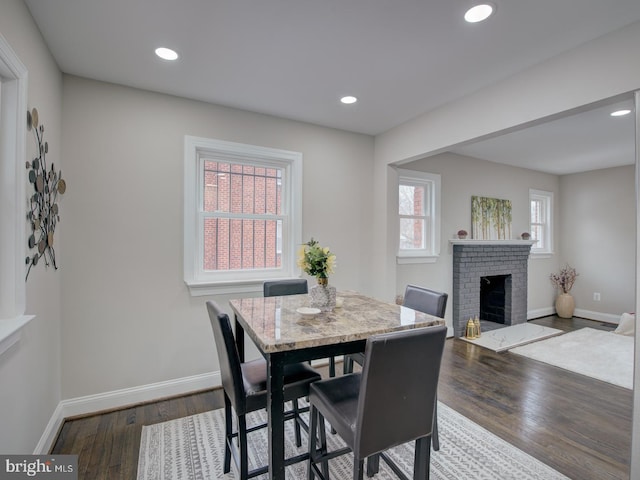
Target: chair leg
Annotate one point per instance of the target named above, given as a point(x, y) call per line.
point(332, 367)
point(228, 426)
point(323, 445)
point(422, 459)
point(296, 423)
point(317, 431)
point(435, 438)
point(243, 446)
point(347, 366)
point(313, 430)
point(358, 469)
point(373, 465)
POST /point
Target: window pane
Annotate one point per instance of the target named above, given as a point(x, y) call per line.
point(537, 234)
point(235, 188)
point(537, 211)
point(411, 200)
point(412, 233)
point(234, 244)
point(540, 221)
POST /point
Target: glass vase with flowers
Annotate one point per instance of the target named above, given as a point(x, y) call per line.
point(318, 262)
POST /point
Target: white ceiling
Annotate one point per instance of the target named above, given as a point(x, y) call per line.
point(296, 58)
point(589, 140)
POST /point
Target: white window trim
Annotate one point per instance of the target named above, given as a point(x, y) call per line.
point(202, 283)
point(422, 256)
point(548, 197)
point(13, 106)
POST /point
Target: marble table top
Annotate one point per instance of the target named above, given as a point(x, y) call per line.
point(274, 325)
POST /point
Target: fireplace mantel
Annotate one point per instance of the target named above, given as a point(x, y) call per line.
point(457, 241)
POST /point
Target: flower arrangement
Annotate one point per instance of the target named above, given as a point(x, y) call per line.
point(565, 279)
point(315, 260)
point(525, 236)
point(462, 234)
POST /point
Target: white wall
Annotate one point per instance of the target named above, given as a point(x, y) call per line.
point(128, 317)
point(597, 232)
point(463, 177)
point(30, 370)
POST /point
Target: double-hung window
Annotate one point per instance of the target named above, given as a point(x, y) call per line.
point(540, 224)
point(13, 122)
point(242, 215)
point(419, 216)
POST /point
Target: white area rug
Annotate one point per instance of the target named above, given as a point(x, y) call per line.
point(505, 338)
point(192, 448)
point(600, 354)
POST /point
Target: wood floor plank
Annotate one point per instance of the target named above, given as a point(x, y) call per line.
point(578, 425)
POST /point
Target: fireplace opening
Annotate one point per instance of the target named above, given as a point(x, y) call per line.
point(494, 291)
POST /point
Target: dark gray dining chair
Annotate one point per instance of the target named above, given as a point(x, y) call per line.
point(245, 391)
point(391, 402)
point(294, 286)
point(431, 302)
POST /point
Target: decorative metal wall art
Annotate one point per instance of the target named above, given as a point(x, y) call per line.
point(44, 211)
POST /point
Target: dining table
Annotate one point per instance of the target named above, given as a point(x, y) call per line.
point(285, 331)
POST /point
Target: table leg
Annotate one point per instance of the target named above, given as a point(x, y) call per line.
point(275, 408)
point(239, 338)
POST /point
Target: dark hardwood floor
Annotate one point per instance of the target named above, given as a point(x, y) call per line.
point(575, 424)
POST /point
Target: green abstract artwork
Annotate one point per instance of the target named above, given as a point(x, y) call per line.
point(490, 218)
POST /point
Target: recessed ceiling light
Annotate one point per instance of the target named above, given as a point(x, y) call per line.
point(479, 13)
point(620, 113)
point(349, 99)
point(166, 53)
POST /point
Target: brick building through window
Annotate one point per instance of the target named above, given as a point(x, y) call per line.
point(245, 231)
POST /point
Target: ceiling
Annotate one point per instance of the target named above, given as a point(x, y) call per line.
point(296, 58)
point(585, 141)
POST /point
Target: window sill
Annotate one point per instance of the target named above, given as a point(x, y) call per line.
point(11, 331)
point(204, 288)
point(407, 260)
point(541, 255)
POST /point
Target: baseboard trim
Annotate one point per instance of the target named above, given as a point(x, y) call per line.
point(601, 317)
point(119, 399)
point(588, 314)
point(540, 312)
point(45, 444)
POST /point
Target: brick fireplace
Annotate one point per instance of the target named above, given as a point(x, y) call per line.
point(498, 268)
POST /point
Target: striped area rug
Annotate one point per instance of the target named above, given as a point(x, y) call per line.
point(192, 448)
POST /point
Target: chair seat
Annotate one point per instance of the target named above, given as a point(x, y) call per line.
point(337, 398)
point(297, 377)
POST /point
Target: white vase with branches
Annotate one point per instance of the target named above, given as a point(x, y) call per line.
point(563, 282)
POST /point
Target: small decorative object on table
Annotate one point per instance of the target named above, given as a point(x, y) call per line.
point(319, 262)
point(462, 234)
point(525, 236)
point(563, 281)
